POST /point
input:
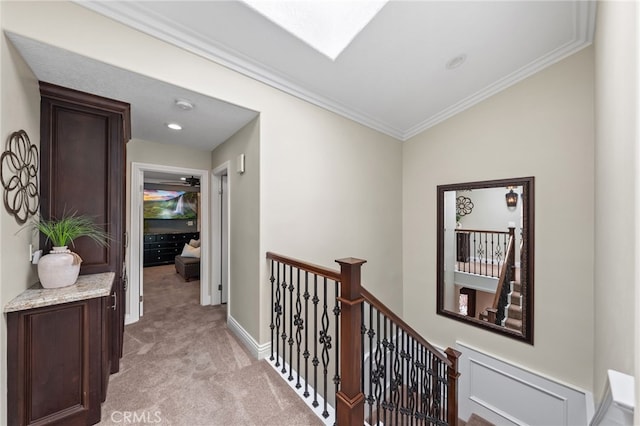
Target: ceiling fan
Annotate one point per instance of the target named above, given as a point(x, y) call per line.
point(191, 181)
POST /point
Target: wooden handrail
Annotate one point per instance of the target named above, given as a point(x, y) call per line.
point(508, 264)
point(484, 231)
point(306, 266)
point(373, 301)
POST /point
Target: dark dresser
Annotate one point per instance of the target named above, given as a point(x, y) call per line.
point(161, 249)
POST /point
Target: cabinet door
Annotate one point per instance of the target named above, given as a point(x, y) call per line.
point(53, 360)
point(83, 170)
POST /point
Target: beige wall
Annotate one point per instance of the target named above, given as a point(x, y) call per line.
point(541, 127)
point(20, 100)
point(615, 255)
point(332, 189)
point(244, 220)
point(141, 151)
point(329, 188)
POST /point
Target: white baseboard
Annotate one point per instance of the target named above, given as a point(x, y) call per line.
point(507, 394)
point(128, 319)
point(331, 419)
point(618, 403)
point(257, 350)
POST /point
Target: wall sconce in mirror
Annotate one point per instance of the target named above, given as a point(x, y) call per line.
point(512, 198)
point(485, 260)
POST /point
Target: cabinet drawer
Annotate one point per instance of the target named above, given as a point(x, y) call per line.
point(164, 250)
point(148, 238)
point(152, 246)
point(158, 258)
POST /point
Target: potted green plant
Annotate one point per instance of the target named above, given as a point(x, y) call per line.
point(61, 267)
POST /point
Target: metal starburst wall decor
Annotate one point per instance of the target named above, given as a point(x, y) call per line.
point(464, 206)
point(19, 176)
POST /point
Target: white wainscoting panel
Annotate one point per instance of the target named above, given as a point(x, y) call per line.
point(506, 394)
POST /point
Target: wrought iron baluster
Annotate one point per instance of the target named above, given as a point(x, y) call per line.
point(405, 383)
point(290, 341)
point(397, 377)
point(445, 394)
point(437, 389)
point(284, 322)
point(315, 360)
point(306, 335)
point(371, 334)
point(325, 340)
point(336, 312)
point(363, 331)
point(299, 323)
point(385, 345)
point(273, 307)
point(475, 253)
point(424, 396)
point(414, 385)
point(278, 309)
point(493, 274)
point(486, 261)
point(380, 373)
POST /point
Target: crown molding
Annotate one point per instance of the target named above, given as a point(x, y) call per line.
point(584, 19)
point(152, 24)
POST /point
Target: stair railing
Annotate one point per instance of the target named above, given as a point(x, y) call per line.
point(342, 329)
point(507, 274)
point(481, 252)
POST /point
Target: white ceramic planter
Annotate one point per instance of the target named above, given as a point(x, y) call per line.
point(59, 268)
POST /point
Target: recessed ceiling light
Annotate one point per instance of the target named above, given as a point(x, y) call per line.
point(174, 126)
point(183, 104)
point(456, 61)
point(327, 26)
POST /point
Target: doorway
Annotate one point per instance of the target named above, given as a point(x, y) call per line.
point(135, 291)
point(220, 234)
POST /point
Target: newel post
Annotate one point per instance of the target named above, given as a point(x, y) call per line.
point(452, 388)
point(350, 399)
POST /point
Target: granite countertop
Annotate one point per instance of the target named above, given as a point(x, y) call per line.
point(87, 287)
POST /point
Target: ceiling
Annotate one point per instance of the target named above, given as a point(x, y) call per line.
point(393, 77)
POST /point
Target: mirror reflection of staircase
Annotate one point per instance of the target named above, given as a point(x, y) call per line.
point(513, 311)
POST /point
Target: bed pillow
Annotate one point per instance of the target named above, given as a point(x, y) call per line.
point(194, 243)
point(189, 251)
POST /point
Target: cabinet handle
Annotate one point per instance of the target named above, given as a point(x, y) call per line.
point(115, 302)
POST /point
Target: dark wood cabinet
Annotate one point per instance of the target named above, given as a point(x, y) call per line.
point(83, 167)
point(58, 358)
point(161, 249)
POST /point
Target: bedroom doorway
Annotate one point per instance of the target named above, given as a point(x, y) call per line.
point(136, 253)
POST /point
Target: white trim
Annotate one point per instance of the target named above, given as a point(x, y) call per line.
point(157, 26)
point(135, 262)
point(618, 402)
point(330, 420)
point(216, 179)
point(511, 394)
point(259, 351)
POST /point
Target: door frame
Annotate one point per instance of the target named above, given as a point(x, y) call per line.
point(216, 218)
point(135, 261)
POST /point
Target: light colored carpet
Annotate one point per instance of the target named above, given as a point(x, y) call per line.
point(475, 420)
point(182, 366)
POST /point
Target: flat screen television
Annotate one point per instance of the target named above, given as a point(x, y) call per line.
point(163, 204)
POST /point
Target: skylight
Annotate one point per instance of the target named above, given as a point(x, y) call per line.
point(328, 26)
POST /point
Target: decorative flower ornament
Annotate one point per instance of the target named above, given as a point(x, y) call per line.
point(464, 206)
point(19, 176)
